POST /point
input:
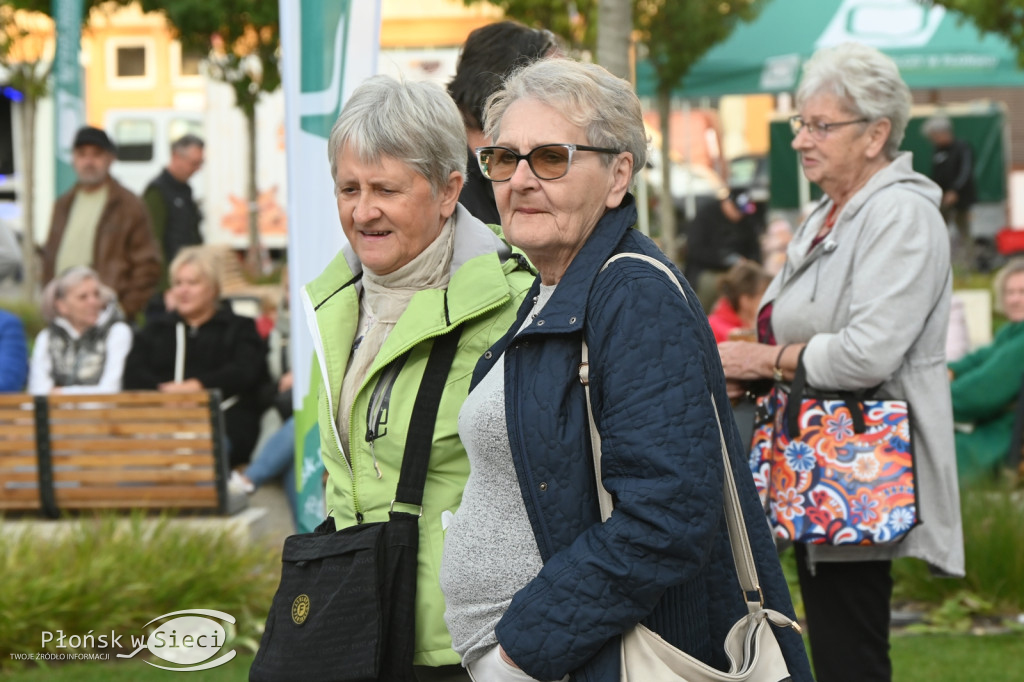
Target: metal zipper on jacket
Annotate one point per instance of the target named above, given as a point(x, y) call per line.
point(380, 401)
point(351, 439)
point(350, 460)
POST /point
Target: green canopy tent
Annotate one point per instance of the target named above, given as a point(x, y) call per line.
point(932, 47)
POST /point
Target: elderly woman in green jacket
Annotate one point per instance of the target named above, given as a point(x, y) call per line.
point(987, 383)
point(417, 266)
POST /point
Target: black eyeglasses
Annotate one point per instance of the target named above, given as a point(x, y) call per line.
point(548, 161)
point(819, 131)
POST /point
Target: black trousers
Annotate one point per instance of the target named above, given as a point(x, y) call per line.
point(847, 605)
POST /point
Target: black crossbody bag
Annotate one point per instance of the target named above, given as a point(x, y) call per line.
point(346, 606)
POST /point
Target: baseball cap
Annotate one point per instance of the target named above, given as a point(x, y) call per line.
point(93, 136)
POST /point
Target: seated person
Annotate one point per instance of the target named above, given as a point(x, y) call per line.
point(735, 311)
point(276, 457)
point(986, 384)
point(721, 234)
point(202, 344)
point(13, 353)
point(84, 346)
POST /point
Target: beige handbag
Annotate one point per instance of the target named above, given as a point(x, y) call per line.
point(751, 647)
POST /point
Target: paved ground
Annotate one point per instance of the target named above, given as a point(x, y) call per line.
point(276, 523)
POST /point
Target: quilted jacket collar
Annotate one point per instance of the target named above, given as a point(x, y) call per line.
point(566, 310)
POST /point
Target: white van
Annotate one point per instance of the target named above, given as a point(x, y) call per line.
point(143, 138)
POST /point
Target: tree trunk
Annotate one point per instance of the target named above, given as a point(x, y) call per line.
point(666, 207)
point(29, 276)
point(254, 254)
point(614, 23)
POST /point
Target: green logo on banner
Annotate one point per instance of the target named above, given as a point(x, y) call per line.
point(323, 62)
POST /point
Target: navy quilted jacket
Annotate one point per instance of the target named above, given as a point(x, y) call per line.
point(663, 557)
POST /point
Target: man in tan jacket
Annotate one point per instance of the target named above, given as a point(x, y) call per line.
point(100, 223)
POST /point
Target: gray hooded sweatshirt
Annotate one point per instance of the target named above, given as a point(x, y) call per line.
point(872, 303)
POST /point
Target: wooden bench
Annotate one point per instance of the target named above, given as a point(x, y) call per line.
point(128, 450)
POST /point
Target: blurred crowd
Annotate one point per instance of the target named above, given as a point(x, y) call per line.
point(858, 296)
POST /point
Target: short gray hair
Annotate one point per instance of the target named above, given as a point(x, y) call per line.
point(59, 287)
point(867, 83)
point(415, 122)
point(1013, 267)
point(937, 124)
point(602, 105)
point(185, 141)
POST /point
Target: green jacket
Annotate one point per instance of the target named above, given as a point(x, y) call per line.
point(985, 387)
point(488, 283)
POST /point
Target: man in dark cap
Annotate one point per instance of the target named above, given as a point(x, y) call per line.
point(489, 54)
point(101, 224)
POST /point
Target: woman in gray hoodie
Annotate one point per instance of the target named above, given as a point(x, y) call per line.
point(864, 297)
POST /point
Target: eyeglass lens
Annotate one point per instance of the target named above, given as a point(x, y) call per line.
point(548, 162)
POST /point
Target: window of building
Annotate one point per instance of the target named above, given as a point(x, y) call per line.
point(131, 63)
point(186, 63)
point(134, 139)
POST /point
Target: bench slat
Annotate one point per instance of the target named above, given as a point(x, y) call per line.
point(68, 446)
point(194, 459)
point(131, 428)
point(198, 414)
point(110, 476)
point(131, 398)
point(111, 494)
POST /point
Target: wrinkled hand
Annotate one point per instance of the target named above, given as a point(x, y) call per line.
point(744, 361)
point(186, 386)
point(734, 389)
point(504, 657)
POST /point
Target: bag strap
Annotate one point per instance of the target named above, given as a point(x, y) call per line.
point(420, 437)
point(798, 391)
point(739, 541)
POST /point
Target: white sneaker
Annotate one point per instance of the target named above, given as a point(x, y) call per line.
point(239, 484)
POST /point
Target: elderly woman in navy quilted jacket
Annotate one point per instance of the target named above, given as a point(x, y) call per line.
point(536, 586)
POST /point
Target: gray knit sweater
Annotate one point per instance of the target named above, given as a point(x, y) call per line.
point(489, 549)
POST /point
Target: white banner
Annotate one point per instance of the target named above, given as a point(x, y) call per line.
point(328, 48)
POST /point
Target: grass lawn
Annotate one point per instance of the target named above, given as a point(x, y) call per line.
point(958, 658)
point(919, 658)
point(235, 670)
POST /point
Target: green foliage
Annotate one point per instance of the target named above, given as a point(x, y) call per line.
point(678, 34)
point(993, 526)
point(235, 670)
point(575, 22)
point(1002, 17)
point(241, 36)
point(112, 573)
point(675, 34)
point(29, 313)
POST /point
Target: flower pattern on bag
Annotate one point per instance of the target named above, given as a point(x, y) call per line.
point(833, 485)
